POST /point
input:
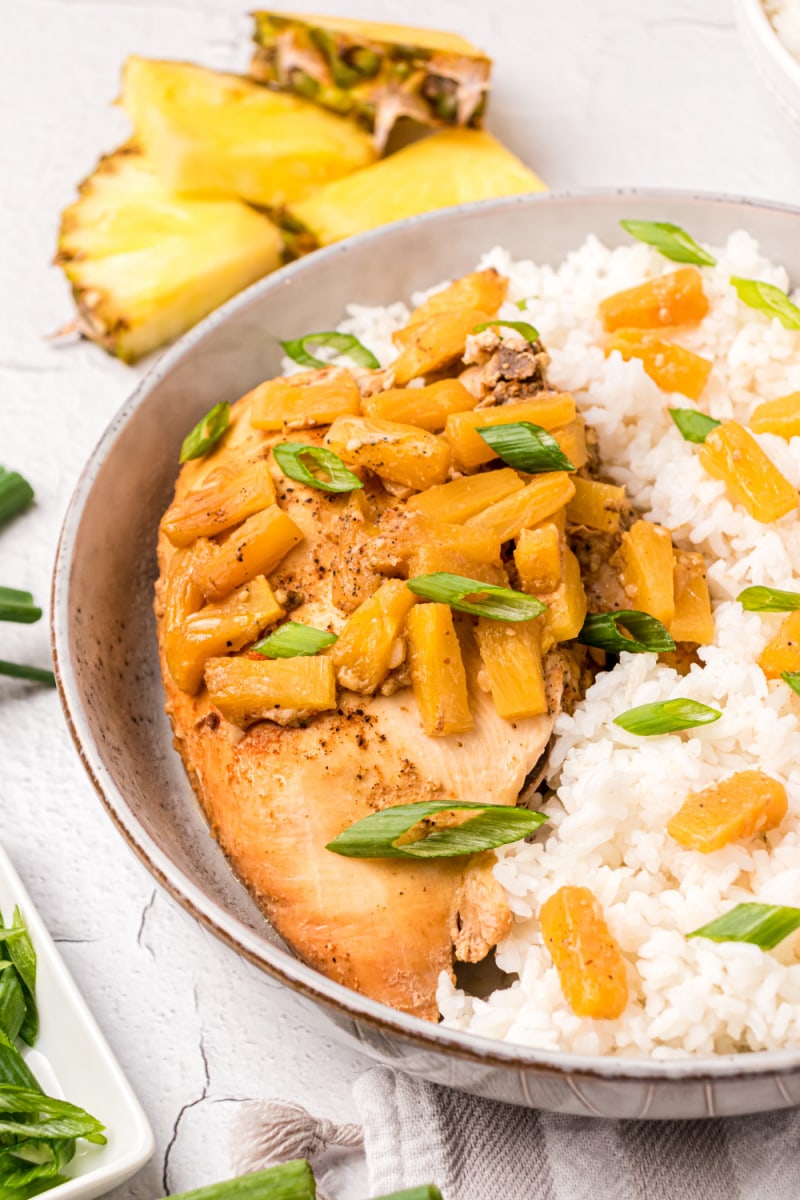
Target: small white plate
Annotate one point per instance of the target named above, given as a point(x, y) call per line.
point(72, 1060)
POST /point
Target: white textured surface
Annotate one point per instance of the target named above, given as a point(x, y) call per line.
point(590, 92)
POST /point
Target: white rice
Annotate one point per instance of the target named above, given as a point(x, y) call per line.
point(613, 792)
point(785, 18)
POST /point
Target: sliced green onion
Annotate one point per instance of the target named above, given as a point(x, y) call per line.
point(16, 494)
point(767, 599)
point(766, 298)
point(694, 426)
point(18, 606)
point(56, 1118)
point(666, 716)
point(34, 674)
point(290, 1181)
point(428, 1191)
point(293, 640)
point(671, 241)
point(22, 954)
point(530, 333)
point(290, 455)
point(793, 680)
point(526, 446)
point(764, 925)
point(206, 433)
point(472, 596)
point(522, 305)
point(13, 1068)
point(381, 834)
point(647, 635)
point(343, 343)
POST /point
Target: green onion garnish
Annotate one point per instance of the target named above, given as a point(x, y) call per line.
point(528, 331)
point(15, 494)
point(766, 298)
point(342, 343)
point(472, 596)
point(381, 834)
point(428, 1191)
point(694, 426)
point(793, 680)
point(34, 674)
point(293, 640)
point(666, 716)
point(763, 924)
point(18, 606)
point(206, 432)
point(522, 305)
point(526, 446)
point(647, 635)
point(767, 599)
point(671, 241)
point(290, 455)
point(290, 1181)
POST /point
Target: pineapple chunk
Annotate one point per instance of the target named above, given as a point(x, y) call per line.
point(428, 407)
point(537, 556)
point(402, 454)
point(428, 346)
point(644, 564)
point(227, 497)
point(145, 265)
point(511, 655)
point(782, 652)
point(182, 597)
point(751, 479)
point(245, 690)
point(304, 400)
point(596, 505)
point(401, 533)
point(462, 498)
point(673, 368)
point(566, 606)
point(223, 135)
point(738, 807)
point(572, 440)
point(217, 628)
point(482, 290)
point(437, 670)
point(674, 299)
point(693, 621)
point(434, 556)
point(255, 548)
point(590, 965)
point(537, 501)
point(451, 167)
point(781, 416)
point(550, 410)
point(369, 642)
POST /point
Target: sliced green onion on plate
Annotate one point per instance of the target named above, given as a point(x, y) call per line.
point(21, 671)
point(768, 299)
point(694, 426)
point(479, 599)
point(767, 599)
point(16, 494)
point(526, 446)
point(671, 241)
point(18, 606)
point(666, 716)
point(427, 1191)
point(529, 332)
point(292, 457)
point(206, 433)
point(343, 343)
point(644, 634)
point(292, 1180)
point(764, 925)
point(413, 831)
point(293, 640)
point(793, 680)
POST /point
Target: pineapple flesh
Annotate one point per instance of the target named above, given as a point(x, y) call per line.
point(145, 265)
point(372, 72)
point(223, 135)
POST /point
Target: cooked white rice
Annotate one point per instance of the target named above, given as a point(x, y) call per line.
point(613, 792)
point(785, 18)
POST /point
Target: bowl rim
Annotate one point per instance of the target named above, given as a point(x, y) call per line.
point(274, 960)
point(754, 13)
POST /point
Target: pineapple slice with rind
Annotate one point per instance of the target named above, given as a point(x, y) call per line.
point(453, 166)
point(223, 135)
point(145, 265)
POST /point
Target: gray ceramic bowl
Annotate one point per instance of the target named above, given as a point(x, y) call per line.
point(108, 675)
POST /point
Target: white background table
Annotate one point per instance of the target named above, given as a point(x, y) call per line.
point(590, 93)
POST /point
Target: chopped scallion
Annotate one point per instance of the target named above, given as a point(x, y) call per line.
point(793, 680)
point(530, 333)
point(34, 674)
point(666, 716)
point(293, 640)
point(343, 343)
point(18, 606)
point(767, 599)
point(206, 433)
point(766, 298)
point(764, 925)
point(472, 596)
point(694, 426)
point(16, 494)
point(427, 1191)
point(526, 446)
point(292, 1180)
point(671, 241)
point(644, 634)
point(421, 831)
point(290, 458)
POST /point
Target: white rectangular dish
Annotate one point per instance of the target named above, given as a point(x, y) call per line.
point(73, 1061)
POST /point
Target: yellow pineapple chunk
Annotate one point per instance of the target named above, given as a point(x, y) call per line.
point(255, 548)
point(645, 566)
point(482, 290)
point(550, 410)
point(182, 597)
point(751, 479)
point(218, 628)
point(572, 441)
point(462, 498)
point(538, 500)
point(511, 655)
point(303, 400)
point(782, 652)
point(738, 807)
point(591, 968)
point(566, 606)
point(403, 454)
point(225, 499)
point(538, 558)
point(693, 621)
point(245, 690)
point(596, 505)
point(781, 416)
point(428, 346)
point(434, 556)
point(428, 407)
point(223, 135)
point(369, 646)
point(437, 670)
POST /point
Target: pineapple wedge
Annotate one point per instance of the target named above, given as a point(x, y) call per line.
point(372, 72)
point(453, 166)
point(146, 265)
point(222, 135)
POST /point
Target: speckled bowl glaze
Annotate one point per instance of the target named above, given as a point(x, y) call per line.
point(105, 646)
